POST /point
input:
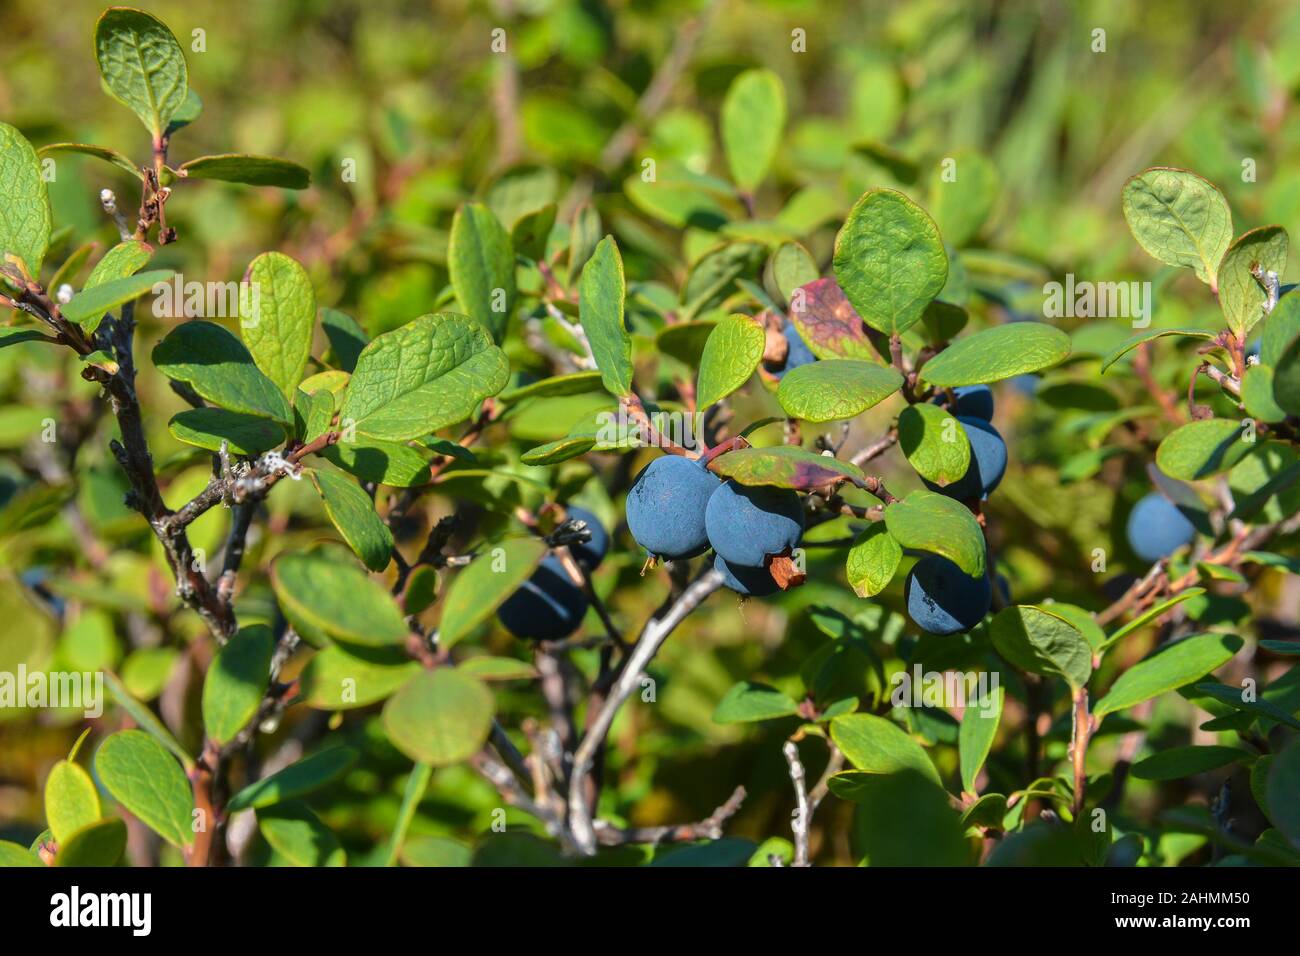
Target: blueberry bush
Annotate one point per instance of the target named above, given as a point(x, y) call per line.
point(657, 434)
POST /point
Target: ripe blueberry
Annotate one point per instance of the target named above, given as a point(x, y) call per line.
point(747, 523)
point(974, 401)
point(547, 607)
point(944, 599)
point(665, 507)
point(749, 582)
point(590, 553)
point(1156, 528)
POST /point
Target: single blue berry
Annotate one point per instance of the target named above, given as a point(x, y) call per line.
point(1156, 528)
point(748, 523)
point(749, 582)
point(944, 599)
point(589, 553)
point(665, 507)
point(547, 607)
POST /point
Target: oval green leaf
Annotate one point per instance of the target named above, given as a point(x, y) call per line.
point(430, 373)
point(440, 718)
point(836, 389)
point(1179, 218)
point(601, 291)
point(731, 354)
point(1001, 352)
point(236, 682)
point(148, 781)
point(353, 514)
point(1203, 448)
point(932, 522)
point(323, 595)
point(479, 588)
point(142, 65)
point(482, 263)
point(890, 260)
point(934, 443)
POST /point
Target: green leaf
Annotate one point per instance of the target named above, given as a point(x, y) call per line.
point(478, 589)
point(249, 169)
point(562, 449)
point(1179, 218)
point(1235, 698)
point(1257, 395)
point(747, 702)
point(584, 233)
point(145, 718)
point(236, 682)
point(934, 443)
point(1035, 639)
point(142, 65)
point(836, 389)
point(731, 354)
point(25, 218)
point(298, 836)
point(324, 596)
point(963, 202)
point(98, 152)
point(876, 745)
point(922, 826)
point(752, 121)
point(785, 466)
point(1241, 296)
point(1178, 762)
point(975, 736)
point(14, 854)
point(383, 462)
point(600, 309)
point(313, 413)
point(345, 336)
point(339, 678)
point(277, 316)
point(498, 668)
point(353, 514)
point(220, 369)
point(712, 276)
point(1001, 352)
point(929, 521)
point(482, 264)
point(209, 427)
point(90, 304)
point(792, 267)
point(71, 800)
point(310, 773)
point(1149, 336)
point(872, 560)
point(828, 323)
point(1170, 667)
point(530, 232)
point(190, 110)
point(417, 783)
point(1149, 615)
point(440, 717)
point(430, 373)
point(1203, 448)
point(890, 260)
point(148, 781)
point(10, 337)
point(1280, 348)
point(120, 262)
point(96, 844)
point(573, 383)
point(1280, 788)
